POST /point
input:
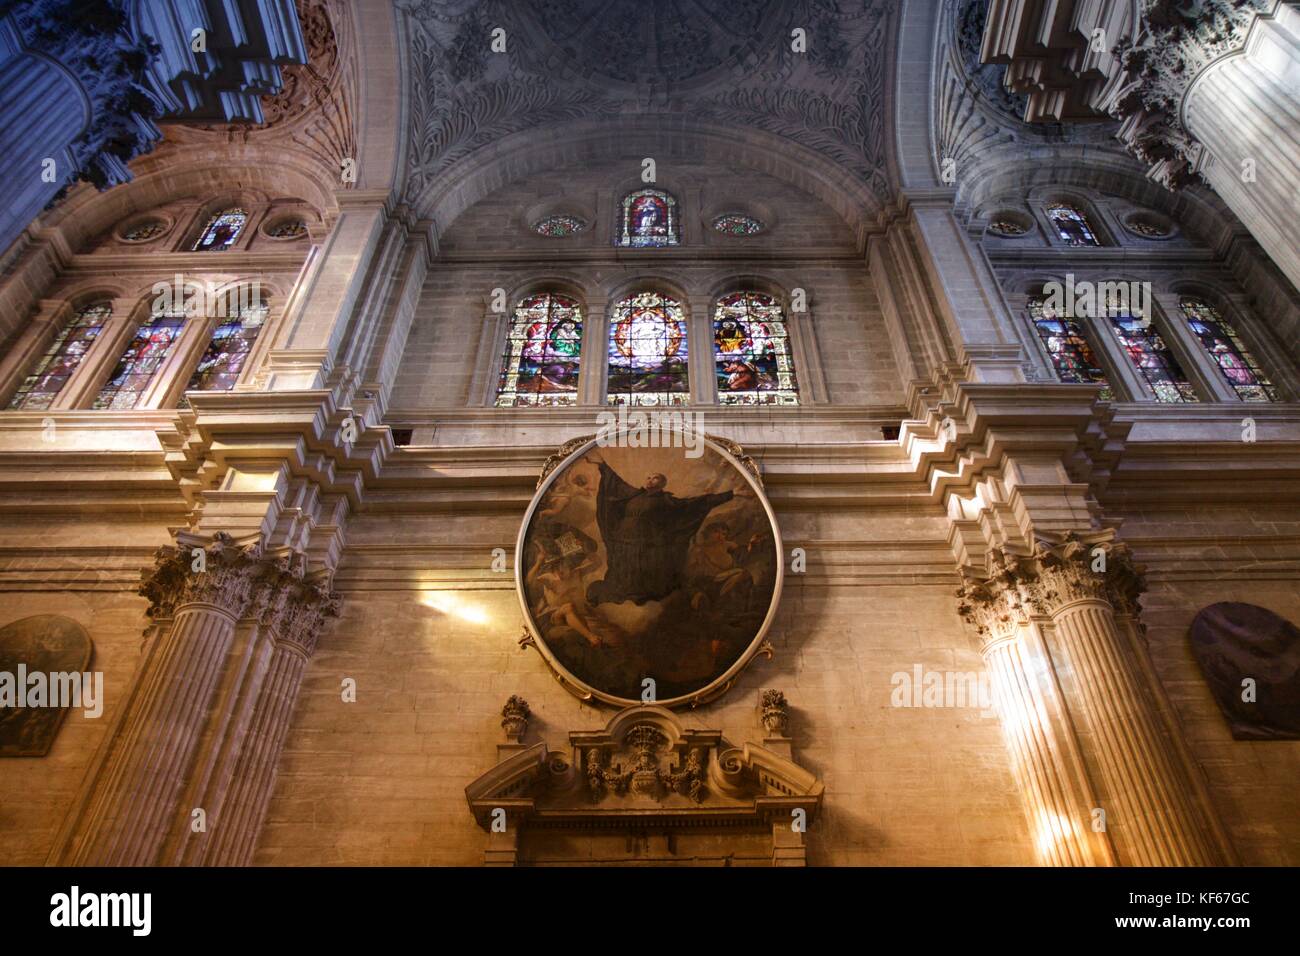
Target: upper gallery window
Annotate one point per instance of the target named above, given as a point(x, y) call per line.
point(1070, 351)
point(141, 360)
point(543, 351)
point(1233, 358)
point(42, 386)
point(1150, 354)
point(221, 231)
point(649, 218)
point(1071, 225)
point(560, 226)
point(738, 224)
point(232, 341)
point(648, 346)
point(751, 352)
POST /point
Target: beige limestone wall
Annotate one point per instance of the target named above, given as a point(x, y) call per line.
point(1197, 557)
point(381, 781)
point(84, 565)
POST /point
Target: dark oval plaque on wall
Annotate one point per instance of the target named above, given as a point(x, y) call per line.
point(45, 644)
point(1237, 644)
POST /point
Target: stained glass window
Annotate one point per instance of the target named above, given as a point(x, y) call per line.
point(1071, 354)
point(649, 218)
point(145, 354)
point(735, 224)
point(751, 352)
point(222, 361)
point(40, 388)
point(144, 230)
point(1151, 356)
point(1236, 363)
point(543, 351)
point(221, 231)
point(287, 229)
point(648, 352)
point(1007, 227)
point(1147, 228)
point(559, 227)
point(1071, 225)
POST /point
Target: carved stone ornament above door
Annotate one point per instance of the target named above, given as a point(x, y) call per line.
point(649, 574)
point(647, 777)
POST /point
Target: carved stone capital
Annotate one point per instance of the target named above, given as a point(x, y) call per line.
point(1063, 569)
point(219, 573)
point(244, 580)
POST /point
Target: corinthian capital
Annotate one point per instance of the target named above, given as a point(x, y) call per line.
point(1061, 570)
point(220, 573)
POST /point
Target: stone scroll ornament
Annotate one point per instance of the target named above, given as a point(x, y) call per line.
point(649, 574)
point(45, 644)
point(1251, 659)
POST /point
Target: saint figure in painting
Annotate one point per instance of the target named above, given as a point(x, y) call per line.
point(647, 532)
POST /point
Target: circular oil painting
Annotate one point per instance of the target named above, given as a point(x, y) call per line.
point(658, 562)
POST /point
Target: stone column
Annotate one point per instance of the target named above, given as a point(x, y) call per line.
point(1046, 760)
point(196, 612)
point(291, 609)
point(1243, 112)
point(207, 721)
point(1070, 590)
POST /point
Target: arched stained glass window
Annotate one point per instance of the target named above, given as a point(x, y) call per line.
point(232, 341)
point(1071, 225)
point(141, 360)
point(1236, 363)
point(40, 388)
point(648, 218)
point(1151, 356)
point(648, 347)
point(221, 231)
point(1070, 351)
point(543, 351)
point(751, 352)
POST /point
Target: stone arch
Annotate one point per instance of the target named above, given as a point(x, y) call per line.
point(453, 191)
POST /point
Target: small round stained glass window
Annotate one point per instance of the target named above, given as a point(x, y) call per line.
point(1148, 227)
point(287, 229)
point(144, 230)
point(1007, 227)
point(736, 224)
point(559, 227)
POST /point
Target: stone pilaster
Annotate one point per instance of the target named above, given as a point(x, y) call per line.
point(1070, 591)
point(207, 718)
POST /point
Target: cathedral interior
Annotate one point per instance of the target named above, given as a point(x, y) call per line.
point(614, 433)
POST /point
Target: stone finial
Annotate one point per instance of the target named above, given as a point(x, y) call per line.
point(776, 715)
point(514, 718)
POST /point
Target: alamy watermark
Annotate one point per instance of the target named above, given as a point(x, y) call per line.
point(651, 429)
point(83, 689)
point(197, 298)
point(929, 688)
point(1090, 299)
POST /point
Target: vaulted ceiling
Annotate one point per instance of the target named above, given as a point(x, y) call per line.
point(726, 63)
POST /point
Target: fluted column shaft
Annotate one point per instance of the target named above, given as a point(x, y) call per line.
point(131, 816)
point(234, 835)
point(1149, 792)
point(1244, 112)
point(1079, 717)
point(1043, 760)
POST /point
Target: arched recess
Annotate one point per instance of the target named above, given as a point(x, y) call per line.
point(580, 142)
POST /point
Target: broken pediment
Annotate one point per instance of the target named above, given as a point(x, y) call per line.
point(646, 774)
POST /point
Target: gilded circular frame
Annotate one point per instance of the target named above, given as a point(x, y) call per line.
point(580, 680)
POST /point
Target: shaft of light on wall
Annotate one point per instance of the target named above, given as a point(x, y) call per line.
point(451, 603)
